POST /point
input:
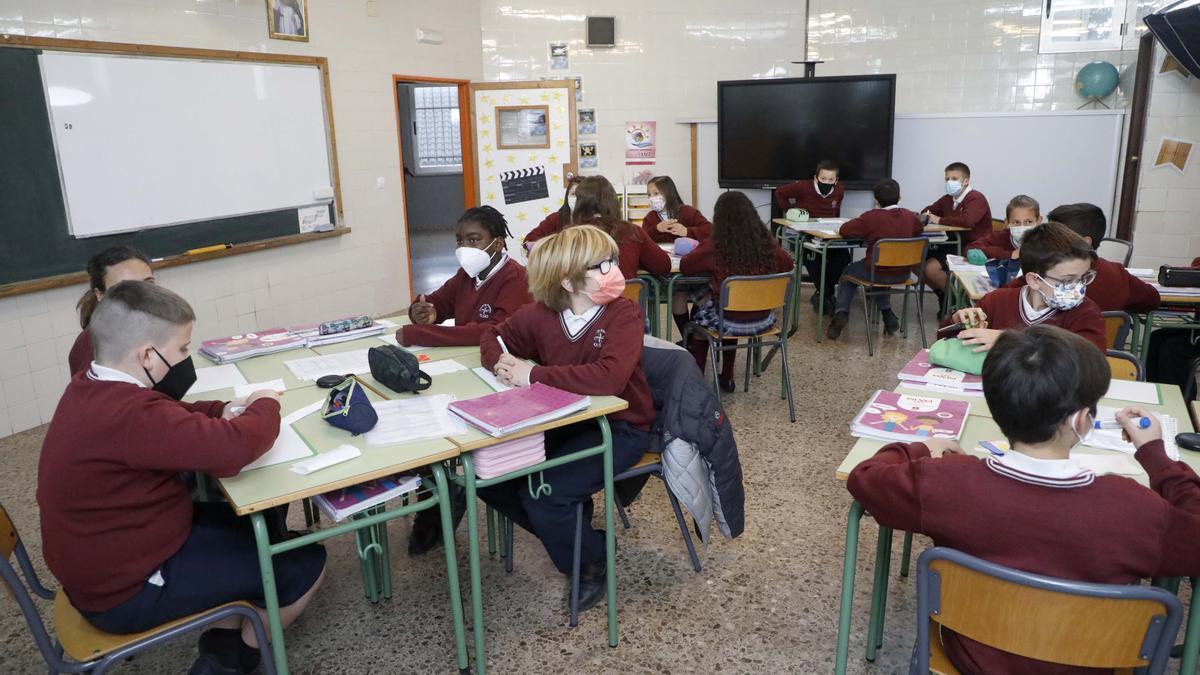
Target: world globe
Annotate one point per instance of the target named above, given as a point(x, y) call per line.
point(1097, 80)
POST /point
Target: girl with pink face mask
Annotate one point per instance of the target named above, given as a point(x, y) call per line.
point(587, 339)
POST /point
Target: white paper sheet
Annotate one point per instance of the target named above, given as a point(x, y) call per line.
point(414, 419)
point(303, 412)
point(442, 367)
point(487, 376)
point(244, 390)
point(1121, 465)
point(313, 367)
point(288, 447)
point(387, 322)
point(1113, 439)
point(217, 377)
point(342, 453)
point(1138, 392)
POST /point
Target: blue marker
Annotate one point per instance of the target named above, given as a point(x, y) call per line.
point(992, 448)
point(1142, 422)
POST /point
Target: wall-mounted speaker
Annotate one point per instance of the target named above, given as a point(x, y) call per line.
point(601, 31)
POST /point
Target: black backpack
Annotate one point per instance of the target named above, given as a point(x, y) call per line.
point(397, 369)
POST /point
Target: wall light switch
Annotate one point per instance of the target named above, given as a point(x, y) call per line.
point(379, 183)
point(372, 8)
point(429, 36)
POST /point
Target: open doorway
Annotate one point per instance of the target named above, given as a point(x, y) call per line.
point(437, 171)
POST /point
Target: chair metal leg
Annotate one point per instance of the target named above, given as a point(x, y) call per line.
point(490, 517)
point(574, 601)
point(786, 375)
point(621, 512)
point(867, 318)
point(904, 315)
point(921, 316)
point(906, 556)
point(683, 528)
point(508, 545)
point(752, 355)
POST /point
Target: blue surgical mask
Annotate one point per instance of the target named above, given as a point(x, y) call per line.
point(1066, 296)
point(953, 187)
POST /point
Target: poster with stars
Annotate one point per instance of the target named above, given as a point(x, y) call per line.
point(525, 184)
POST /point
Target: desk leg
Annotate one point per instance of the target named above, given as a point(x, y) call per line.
point(610, 539)
point(1149, 327)
point(670, 308)
point(460, 636)
point(883, 559)
point(270, 593)
point(473, 564)
point(850, 558)
point(820, 284)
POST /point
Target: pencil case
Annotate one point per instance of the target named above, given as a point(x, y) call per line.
point(952, 353)
point(1179, 276)
point(348, 408)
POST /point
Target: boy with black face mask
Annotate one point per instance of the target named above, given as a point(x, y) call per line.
point(822, 197)
point(119, 529)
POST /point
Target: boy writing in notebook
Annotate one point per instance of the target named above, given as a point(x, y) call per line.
point(1057, 264)
point(1034, 508)
point(886, 221)
point(119, 529)
point(586, 339)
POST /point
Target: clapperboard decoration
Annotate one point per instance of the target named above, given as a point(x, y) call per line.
point(524, 185)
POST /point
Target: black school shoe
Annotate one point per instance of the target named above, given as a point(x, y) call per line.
point(728, 385)
point(836, 325)
point(891, 322)
point(829, 304)
point(593, 584)
point(222, 652)
point(427, 525)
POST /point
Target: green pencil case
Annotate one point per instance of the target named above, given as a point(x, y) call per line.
point(952, 353)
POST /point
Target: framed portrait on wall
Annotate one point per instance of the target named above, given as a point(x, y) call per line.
point(287, 20)
point(522, 126)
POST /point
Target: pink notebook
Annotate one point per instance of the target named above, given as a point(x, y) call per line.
point(889, 416)
point(919, 369)
point(504, 412)
point(503, 458)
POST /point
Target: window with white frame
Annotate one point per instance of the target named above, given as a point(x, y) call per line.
point(436, 137)
point(1086, 25)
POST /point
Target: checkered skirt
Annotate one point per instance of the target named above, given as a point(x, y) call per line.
point(706, 315)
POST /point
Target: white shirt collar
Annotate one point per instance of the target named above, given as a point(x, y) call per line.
point(1028, 313)
point(105, 374)
point(893, 206)
point(1035, 471)
point(961, 195)
point(503, 259)
point(575, 323)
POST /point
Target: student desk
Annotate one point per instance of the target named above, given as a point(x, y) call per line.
point(1163, 318)
point(255, 491)
point(818, 242)
point(979, 427)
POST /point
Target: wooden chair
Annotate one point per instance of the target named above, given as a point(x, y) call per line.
point(1115, 250)
point(998, 225)
point(895, 253)
point(1125, 366)
point(1075, 623)
point(90, 649)
point(1116, 328)
point(635, 290)
point(768, 292)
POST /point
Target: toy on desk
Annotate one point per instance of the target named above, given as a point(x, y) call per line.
point(344, 325)
point(796, 216)
point(685, 245)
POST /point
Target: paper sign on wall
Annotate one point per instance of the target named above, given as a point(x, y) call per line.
point(587, 122)
point(314, 218)
point(524, 185)
point(587, 156)
point(1174, 152)
point(639, 142)
point(558, 56)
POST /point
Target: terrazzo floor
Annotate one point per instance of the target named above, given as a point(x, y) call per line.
point(765, 602)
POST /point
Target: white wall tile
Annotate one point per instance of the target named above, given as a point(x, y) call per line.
point(25, 415)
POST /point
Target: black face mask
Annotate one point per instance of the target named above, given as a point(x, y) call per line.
point(179, 378)
point(825, 189)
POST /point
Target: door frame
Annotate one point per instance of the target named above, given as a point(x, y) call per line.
point(465, 131)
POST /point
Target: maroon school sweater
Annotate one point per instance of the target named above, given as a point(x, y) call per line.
point(1107, 530)
point(605, 359)
point(472, 309)
point(697, 225)
point(997, 244)
point(1003, 309)
point(639, 252)
point(803, 195)
point(80, 357)
point(1115, 289)
point(113, 507)
point(973, 212)
point(876, 224)
point(549, 225)
point(703, 261)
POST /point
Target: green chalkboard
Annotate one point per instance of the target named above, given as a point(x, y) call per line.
point(35, 241)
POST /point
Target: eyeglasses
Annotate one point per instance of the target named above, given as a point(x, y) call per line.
point(1085, 280)
point(604, 266)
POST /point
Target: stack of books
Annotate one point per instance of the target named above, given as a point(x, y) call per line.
point(509, 456)
point(341, 504)
point(505, 412)
point(238, 347)
point(919, 373)
point(889, 416)
point(313, 337)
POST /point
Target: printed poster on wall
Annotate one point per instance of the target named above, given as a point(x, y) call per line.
point(558, 56)
point(587, 156)
point(587, 121)
point(639, 142)
point(524, 185)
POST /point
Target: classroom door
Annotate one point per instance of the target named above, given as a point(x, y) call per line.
point(525, 149)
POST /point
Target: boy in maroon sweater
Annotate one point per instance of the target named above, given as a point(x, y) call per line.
point(1057, 267)
point(886, 221)
point(487, 289)
point(669, 218)
point(1034, 508)
point(822, 197)
point(1115, 289)
point(961, 206)
point(1022, 213)
point(586, 339)
point(119, 530)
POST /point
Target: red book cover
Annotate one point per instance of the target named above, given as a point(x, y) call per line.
point(507, 411)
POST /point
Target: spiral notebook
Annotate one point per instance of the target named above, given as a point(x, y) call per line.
point(504, 412)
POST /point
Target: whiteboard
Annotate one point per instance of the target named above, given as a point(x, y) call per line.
point(1054, 157)
point(150, 141)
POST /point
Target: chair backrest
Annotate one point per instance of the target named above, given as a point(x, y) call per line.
point(1115, 250)
point(1039, 617)
point(1116, 328)
point(635, 290)
point(1125, 366)
point(909, 252)
point(10, 543)
point(756, 293)
point(998, 225)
